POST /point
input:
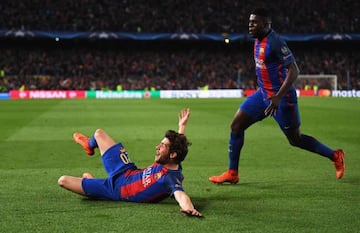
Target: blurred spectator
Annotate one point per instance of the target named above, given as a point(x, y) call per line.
point(195, 16)
point(99, 68)
point(135, 68)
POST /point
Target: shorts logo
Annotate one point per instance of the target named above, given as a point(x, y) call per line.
point(122, 149)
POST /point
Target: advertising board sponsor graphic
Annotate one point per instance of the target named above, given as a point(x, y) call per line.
point(47, 94)
point(122, 94)
point(345, 93)
point(176, 94)
point(4, 95)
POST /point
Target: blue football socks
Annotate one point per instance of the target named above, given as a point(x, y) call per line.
point(311, 144)
point(236, 142)
point(92, 142)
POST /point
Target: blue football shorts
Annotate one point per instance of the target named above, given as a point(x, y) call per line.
point(116, 161)
point(287, 115)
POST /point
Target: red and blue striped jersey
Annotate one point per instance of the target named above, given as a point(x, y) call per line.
point(272, 57)
point(152, 184)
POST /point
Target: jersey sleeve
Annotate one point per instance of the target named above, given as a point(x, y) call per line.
point(282, 51)
point(174, 183)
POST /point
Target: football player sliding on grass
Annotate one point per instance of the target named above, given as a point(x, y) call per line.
point(126, 182)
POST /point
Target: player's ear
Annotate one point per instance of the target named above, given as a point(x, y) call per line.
point(173, 155)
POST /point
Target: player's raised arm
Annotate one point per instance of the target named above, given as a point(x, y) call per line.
point(183, 119)
point(186, 206)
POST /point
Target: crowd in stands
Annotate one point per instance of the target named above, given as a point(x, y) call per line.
point(107, 69)
point(95, 68)
point(190, 16)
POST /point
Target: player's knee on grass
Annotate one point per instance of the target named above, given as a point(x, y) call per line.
point(62, 181)
point(71, 183)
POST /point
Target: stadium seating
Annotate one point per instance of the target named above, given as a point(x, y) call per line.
point(40, 64)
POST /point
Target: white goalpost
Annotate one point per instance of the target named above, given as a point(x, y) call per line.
point(318, 81)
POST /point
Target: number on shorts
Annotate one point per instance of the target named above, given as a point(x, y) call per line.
point(124, 158)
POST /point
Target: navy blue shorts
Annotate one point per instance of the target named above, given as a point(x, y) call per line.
point(287, 115)
point(116, 161)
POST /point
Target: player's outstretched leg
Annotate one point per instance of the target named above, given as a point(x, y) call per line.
point(339, 163)
point(84, 142)
point(230, 176)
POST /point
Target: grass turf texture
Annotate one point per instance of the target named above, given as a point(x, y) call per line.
point(282, 189)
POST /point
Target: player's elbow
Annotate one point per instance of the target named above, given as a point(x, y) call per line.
point(294, 69)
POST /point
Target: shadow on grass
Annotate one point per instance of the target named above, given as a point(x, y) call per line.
point(353, 180)
point(199, 203)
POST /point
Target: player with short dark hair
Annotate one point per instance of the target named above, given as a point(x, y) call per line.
point(126, 182)
point(276, 72)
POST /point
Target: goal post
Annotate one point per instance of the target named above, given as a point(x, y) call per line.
point(317, 81)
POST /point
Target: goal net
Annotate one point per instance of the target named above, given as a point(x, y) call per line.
point(316, 81)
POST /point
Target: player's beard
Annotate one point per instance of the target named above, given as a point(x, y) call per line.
point(164, 159)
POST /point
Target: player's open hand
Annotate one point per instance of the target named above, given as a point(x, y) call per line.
point(273, 106)
point(191, 212)
point(184, 116)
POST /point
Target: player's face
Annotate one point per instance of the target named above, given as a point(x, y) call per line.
point(163, 152)
point(256, 26)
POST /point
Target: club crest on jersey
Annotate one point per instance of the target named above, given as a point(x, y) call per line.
point(158, 175)
point(262, 50)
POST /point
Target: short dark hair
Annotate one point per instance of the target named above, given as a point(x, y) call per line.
point(178, 144)
point(262, 12)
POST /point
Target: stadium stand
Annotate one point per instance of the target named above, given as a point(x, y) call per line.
point(195, 16)
point(39, 64)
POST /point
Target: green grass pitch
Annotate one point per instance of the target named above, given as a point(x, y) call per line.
point(281, 189)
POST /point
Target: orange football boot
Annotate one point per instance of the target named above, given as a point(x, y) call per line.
point(339, 163)
point(84, 142)
point(230, 176)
